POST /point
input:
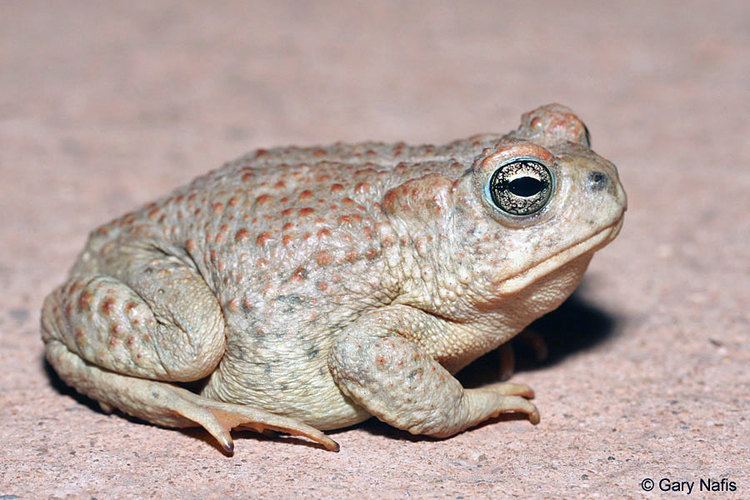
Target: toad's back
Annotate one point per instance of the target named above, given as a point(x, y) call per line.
point(286, 204)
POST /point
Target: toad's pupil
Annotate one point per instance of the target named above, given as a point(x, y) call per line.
point(526, 186)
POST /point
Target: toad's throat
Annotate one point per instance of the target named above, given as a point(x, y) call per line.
point(532, 273)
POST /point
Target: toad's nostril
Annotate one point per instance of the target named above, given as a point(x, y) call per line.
point(598, 181)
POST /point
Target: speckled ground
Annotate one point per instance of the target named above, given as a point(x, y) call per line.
point(104, 106)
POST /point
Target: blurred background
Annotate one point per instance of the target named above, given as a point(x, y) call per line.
point(107, 105)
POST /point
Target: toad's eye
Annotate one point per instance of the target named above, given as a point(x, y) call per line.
point(521, 187)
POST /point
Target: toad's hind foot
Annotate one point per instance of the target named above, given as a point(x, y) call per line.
point(507, 354)
point(225, 417)
point(165, 404)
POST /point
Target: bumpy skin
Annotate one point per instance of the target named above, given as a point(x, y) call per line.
point(310, 288)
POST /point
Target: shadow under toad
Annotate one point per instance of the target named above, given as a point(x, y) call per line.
point(576, 326)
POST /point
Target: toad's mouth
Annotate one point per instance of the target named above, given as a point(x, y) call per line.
point(535, 271)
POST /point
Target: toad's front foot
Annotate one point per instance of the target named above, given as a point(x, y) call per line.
point(401, 384)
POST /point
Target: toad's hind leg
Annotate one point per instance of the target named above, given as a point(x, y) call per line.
point(123, 337)
point(165, 404)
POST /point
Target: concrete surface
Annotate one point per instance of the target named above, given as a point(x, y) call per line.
point(104, 106)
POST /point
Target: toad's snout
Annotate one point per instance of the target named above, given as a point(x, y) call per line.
point(600, 181)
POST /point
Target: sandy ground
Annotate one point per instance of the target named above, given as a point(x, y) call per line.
point(104, 106)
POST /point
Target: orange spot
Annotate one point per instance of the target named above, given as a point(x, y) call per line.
point(232, 202)
point(241, 235)
point(280, 185)
point(286, 240)
point(153, 213)
point(261, 152)
point(344, 219)
point(323, 258)
point(335, 188)
point(324, 233)
point(217, 208)
point(321, 286)
point(299, 274)
point(347, 201)
point(263, 238)
point(287, 226)
point(305, 195)
point(263, 199)
point(306, 211)
point(84, 301)
point(107, 305)
point(190, 246)
point(247, 176)
point(287, 212)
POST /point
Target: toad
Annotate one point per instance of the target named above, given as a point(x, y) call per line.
point(302, 289)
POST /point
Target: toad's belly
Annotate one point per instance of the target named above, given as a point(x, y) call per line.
point(292, 382)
